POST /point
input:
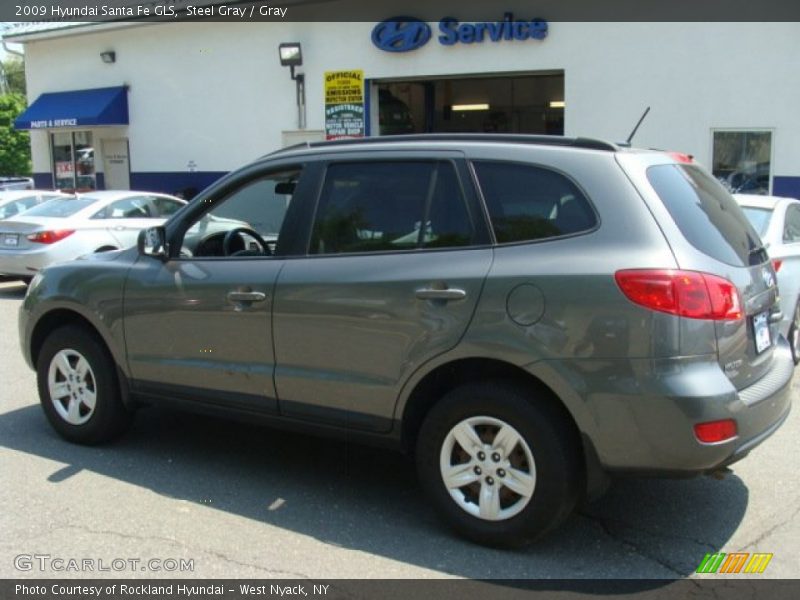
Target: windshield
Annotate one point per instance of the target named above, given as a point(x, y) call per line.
point(758, 217)
point(60, 207)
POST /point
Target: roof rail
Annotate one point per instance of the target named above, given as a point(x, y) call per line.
point(514, 138)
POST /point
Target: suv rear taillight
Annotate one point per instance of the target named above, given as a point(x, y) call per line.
point(50, 237)
point(684, 293)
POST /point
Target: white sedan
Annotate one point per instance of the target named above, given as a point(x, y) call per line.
point(67, 227)
point(777, 221)
point(16, 201)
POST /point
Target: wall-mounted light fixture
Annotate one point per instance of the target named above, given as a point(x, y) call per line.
point(291, 55)
point(109, 57)
point(557, 104)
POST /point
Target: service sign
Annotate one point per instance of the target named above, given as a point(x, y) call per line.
point(344, 104)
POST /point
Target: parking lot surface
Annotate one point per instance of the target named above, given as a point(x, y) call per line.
point(236, 500)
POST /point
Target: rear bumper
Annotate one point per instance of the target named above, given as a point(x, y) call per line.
point(640, 414)
point(26, 263)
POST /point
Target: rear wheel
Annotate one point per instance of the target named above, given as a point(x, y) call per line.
point(78, 387)
point(501, 468)
point(794, 334)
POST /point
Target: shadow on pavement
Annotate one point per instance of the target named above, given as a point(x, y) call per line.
point(369, 500)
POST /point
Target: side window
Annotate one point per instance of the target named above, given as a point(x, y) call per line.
point(531, 203)
point(135, 207)
point(390, 206)
point(165, 207)
point(245, 223)
point(791, 229)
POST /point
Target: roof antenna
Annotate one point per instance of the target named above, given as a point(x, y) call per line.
point(635, 129)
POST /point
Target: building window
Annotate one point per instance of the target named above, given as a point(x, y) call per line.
point(73, 161)
point(742, 160)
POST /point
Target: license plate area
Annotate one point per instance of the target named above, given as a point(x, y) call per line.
point(11, 240)
point(761, 332)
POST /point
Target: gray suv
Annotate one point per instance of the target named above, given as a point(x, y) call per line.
point(526, 315)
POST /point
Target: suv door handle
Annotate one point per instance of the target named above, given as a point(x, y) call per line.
point(240, 297)
point(441, 294)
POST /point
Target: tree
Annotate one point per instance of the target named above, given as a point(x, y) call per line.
point(15, 147)
point(14, 75)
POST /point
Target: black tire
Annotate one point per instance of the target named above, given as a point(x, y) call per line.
point(552, 442)
point(109, 418)
point(794, 335)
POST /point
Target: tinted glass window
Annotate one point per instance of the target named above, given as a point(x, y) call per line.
point(387, 206)
point(61, 207)
point(707, 214)
point(758, 217)
point(531, 203)
point(791, 230)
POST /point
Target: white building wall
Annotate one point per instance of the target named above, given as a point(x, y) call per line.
point(215, 94)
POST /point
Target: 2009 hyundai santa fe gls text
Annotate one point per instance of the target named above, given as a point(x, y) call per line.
point(524, 314)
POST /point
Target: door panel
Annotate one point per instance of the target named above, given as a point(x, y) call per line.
point(184, 333)
point(393, 279)
point(349, 330)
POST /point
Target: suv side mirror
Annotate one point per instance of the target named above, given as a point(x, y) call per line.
point(153, 242)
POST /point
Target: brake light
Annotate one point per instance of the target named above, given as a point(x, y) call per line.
point(50, 237)
point(683, 293)
point(776, 264)
point(681, 157)
point(715, 431)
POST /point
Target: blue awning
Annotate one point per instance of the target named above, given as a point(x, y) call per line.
point(79, 108)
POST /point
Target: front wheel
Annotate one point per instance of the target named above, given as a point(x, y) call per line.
point(502, 467)
point(78, 387)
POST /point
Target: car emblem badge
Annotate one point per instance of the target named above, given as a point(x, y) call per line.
point(401, 34)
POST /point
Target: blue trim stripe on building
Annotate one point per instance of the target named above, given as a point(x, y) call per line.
point(184, 182)
point(786, 186)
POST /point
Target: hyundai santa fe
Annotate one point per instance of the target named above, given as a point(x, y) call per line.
point(525, 315)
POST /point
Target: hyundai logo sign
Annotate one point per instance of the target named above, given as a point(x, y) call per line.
point(401, 34)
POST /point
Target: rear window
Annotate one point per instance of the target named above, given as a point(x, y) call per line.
point(60, 207)
point(758, 217)
point(528, 203)
point(707, 214)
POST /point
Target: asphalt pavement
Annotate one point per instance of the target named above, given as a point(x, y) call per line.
point(227, 499)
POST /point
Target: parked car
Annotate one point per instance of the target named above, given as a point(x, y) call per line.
point(66, 227)
point(777, 221)
point(17, 201)
point(524, 314)
point(16, 183)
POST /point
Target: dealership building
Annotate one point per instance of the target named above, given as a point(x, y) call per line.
point(169, 106)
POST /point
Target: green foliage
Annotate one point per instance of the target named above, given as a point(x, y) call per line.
point(15, 147)
point(14, 70)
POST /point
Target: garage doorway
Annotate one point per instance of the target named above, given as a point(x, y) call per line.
point(530, 103)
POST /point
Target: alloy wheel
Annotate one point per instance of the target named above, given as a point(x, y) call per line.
point(488, 468)
point(72, 386)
